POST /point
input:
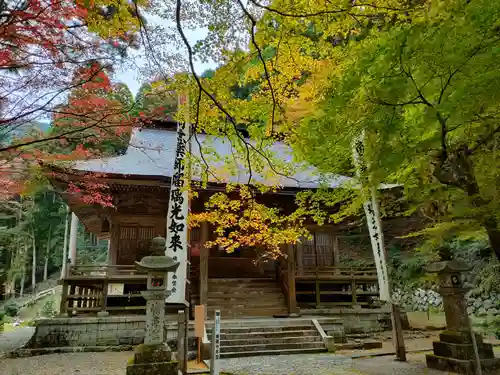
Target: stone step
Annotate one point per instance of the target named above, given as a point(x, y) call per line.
point(264, 324)
point(245, 334)
point(272, 352)
point(252, 314)
point(244, 313)
point(272, 347)
point(241, 351)
point(244, 296)
point(242, 281)
point(243, 291)
point(228, 309)
point(246, 305)
point(243, 342)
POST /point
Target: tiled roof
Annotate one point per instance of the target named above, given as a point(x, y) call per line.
point(151, 152)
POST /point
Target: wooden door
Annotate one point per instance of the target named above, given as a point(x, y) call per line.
point(324, 249)
point(134, 243)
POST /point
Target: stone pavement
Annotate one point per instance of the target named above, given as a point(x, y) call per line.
point(326, 364)
point(16, 339)
point(299, 364)
point(415, 365)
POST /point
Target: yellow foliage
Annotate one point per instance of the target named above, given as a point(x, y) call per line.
point(243, 222)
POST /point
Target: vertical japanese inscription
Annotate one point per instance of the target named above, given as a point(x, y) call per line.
point(373, 221)
point(177, 214)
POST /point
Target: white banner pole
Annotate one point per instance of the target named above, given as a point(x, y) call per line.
point(178, 209)
point(374, 223)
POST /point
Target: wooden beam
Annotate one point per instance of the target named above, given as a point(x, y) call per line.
point(204, 252)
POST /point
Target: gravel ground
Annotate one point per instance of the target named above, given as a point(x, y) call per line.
point(305, 364)
point(10, 341)
point(68, 364)
point(415, 365)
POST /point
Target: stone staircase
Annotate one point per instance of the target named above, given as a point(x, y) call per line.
point(245, 298)
point(255, 337)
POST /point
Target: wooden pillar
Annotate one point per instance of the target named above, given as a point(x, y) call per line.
point(71, 300)
point(64, 268)
point(104, 298)
point(63, 307)
point(204, 252)
point(336, 253)
point(73, 233)
point(292, 296)
point(110, 259)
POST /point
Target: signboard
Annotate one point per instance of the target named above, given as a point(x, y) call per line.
point(178, 207)
point(374, 223)
point(199, 321)
point(115, 289)
point(214, 363)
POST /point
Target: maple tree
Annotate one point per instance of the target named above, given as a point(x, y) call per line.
point(317, 74)
point(429, 105)
point(240, 221)
point(268, 51)
point(49, 50)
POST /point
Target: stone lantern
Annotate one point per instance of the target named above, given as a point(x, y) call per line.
point(154, 356)
point(454, 351)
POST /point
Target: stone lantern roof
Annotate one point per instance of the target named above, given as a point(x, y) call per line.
point(448, 266)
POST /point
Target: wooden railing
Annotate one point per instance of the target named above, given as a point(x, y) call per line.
point(336, 273)
point(336, 286)
point(99, 271)
point(85, 289)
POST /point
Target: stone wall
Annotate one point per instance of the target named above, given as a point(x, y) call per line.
point(107, 331)
point(425, 299)
point(355, 320)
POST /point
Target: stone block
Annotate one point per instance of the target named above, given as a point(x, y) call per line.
point(126, 340)
point(91, 327)
point(461, 351)
point(137, 340)
point(460, 366)
point(107, 341)
point(372, 344)
point(330, 344)
point(459, 337)
point(152, 353)
point(161, 368)
point(339, 337)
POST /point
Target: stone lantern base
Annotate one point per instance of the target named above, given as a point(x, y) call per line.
point(455, 353)
point(152, 360)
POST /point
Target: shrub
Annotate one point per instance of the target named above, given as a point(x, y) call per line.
point(11, 310)
point(48, 310)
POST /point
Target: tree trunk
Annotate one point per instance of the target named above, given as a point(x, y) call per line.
point(33, 266)
point(455, 169)
point(23, 272)
point(47, 253)
point(491, 227)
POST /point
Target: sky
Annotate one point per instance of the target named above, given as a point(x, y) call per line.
point(130, 75)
